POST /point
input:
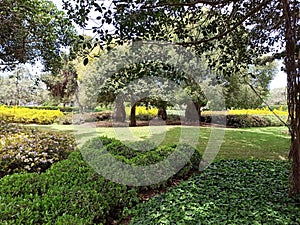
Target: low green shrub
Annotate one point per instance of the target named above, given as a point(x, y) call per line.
point(64, 109)
point(70, 192)
point(242, 121)
point(228, 192)
point(179, 160)
point(71, 118)
point(25, 149)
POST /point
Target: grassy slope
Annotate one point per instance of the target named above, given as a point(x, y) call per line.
point(257, 143)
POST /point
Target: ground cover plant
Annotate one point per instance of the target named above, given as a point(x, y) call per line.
point(25, 149)
point(228, 192)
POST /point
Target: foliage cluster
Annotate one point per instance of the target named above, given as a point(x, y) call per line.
point(244, 120)
point(70, 192)
point(64, 109)
point(279, 110)
point(142, 153)
point(240, 118)
point(262, 111)
point(25, 149)
point(143, 113)
point(31, 30)
point(25, 115)
point(228, 192)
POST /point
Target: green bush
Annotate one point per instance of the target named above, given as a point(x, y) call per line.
point(71, 118)
point(70, 192)
point(28, 149)
point(242, 121)
point(64, 109)
point(179, 160)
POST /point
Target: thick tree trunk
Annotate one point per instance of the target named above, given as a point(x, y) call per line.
point(290, 13)
point(192, 112)
point(132, 115)
point(162, 113)
point(119, 114)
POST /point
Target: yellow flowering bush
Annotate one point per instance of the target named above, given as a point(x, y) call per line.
point(17, 114)
point(142, 110)
point(247, 117)
point(262, 111)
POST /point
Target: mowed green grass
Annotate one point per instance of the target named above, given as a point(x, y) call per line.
point(247, 143)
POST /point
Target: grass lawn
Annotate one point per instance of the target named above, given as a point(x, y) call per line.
point(242, 143)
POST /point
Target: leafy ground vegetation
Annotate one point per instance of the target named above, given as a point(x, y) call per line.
point(17, 114)
point(229, 192)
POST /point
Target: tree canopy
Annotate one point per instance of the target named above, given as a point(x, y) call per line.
point(271, 26)
point(33, 30)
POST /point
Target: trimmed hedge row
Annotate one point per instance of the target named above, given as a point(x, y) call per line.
point(178, 160)
point(24, 115)
point(64, 109)
point(242, 121)
point(25, 149)
point(71, 192)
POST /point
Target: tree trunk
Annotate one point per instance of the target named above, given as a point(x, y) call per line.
point(192, 112)
point(162, 113)
point(119, 113)
point(132, 115)
point(290, 13)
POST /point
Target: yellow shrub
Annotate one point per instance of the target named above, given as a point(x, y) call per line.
point(17, 114)
point(141, 110)
point(263, 111)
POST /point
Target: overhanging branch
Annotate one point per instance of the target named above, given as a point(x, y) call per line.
point(194, 3)
point(233, 27)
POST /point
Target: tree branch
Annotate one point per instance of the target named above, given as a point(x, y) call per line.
point(194, 3)
point(252, 12)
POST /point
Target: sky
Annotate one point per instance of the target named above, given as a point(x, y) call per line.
point(278, 81)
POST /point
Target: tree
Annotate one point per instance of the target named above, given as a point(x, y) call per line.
point(33, 30)
point(237, 92)
point(63, 85)
point(21, 87)
point(277, 96)
point(144, 82)
point(272, 26)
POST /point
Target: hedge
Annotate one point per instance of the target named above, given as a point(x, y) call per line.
point(242, 121)
point(17, 114)
point(71, 192)
point(24, 149)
